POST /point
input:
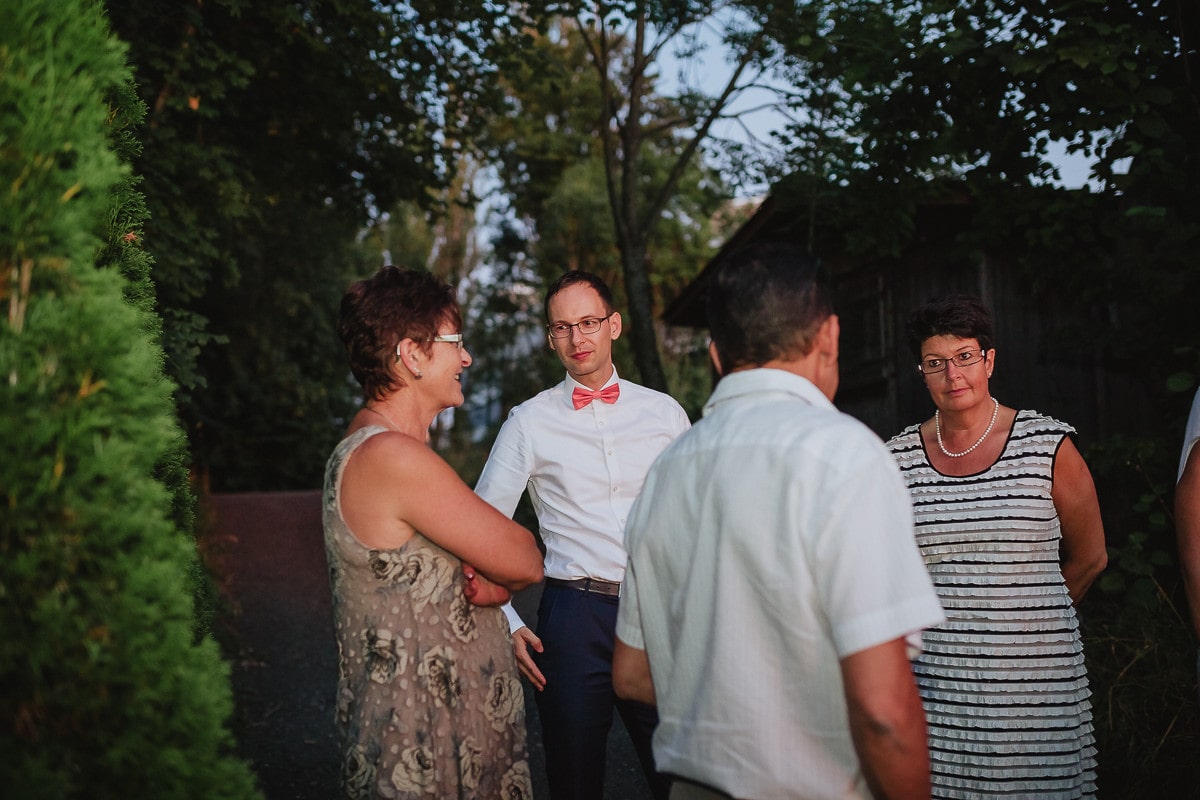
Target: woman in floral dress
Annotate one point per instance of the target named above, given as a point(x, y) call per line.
point(429, 703)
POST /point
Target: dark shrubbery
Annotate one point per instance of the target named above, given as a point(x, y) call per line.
point(1138, 641)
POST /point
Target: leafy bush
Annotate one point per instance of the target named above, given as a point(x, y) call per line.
point(1140, 651)
point(107, 691)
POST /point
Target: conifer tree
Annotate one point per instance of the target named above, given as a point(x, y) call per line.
point(107, 691)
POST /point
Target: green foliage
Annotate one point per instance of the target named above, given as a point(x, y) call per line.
point(107, 692)
point(503, 314)
point(403, 237)
point(1139, 646)
point(585, 110)
point(1143, 678)
point(1132, 568)
point(275, 130)
point(1136, 478)
point(54, 171)
point(892, 96)
point(559, 184)
point(550, 122)
point(575, 227)
point(122, 248)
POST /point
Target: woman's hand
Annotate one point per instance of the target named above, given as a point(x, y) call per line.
point(482, 592)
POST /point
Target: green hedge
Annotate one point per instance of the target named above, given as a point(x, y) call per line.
point(107, 690)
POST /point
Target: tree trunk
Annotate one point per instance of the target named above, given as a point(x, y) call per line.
point(641, 315)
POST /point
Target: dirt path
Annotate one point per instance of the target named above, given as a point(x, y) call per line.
point(267, 554)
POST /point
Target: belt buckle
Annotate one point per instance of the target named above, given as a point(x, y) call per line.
point(601, 587)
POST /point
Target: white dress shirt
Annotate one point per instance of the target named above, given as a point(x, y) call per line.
point(583, 470)
point(772, 540)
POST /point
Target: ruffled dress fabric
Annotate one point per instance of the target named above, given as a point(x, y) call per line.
point(429, 702)
point(1003, 679)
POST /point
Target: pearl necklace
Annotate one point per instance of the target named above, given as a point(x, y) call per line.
point(937, 426)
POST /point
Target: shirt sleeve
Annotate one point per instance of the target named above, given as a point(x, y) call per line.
point(503, 481)
point(629, 620)
point(514, 619)
point(873, 583)
point(682, 423)
point(506, 474)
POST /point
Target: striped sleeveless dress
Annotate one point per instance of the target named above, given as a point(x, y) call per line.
point(1003, 679)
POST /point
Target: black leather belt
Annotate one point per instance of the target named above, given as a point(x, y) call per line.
point(593, 585)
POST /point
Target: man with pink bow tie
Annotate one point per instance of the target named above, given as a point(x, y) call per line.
point(582, 450)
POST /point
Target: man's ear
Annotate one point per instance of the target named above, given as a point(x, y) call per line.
point(614, 325)
point(715, 357)
point(827, 371)
point(828, 335)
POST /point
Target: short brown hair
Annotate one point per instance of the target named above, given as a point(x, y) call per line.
point(377, 313)
point(960, 315)
point(587, 279)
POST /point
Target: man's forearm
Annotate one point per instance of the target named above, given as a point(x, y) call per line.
point(631, 674)
point(887, 722)
point(894, 757)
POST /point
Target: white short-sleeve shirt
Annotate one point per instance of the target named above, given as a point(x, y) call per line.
point(770, 541)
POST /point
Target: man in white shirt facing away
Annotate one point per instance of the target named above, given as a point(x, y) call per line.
point(582, 450)
point(774, 581)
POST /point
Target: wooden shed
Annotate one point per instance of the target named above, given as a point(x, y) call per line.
point(1042, 360)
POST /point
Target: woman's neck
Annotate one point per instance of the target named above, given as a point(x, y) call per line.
point(400, 416)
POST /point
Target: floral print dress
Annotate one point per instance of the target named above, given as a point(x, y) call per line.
point(429, 703)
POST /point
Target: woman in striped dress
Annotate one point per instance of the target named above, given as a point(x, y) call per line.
point(1009, 527)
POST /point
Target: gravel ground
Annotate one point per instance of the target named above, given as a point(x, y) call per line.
point(267, 556)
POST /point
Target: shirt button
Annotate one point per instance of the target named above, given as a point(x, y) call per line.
point(610, 452)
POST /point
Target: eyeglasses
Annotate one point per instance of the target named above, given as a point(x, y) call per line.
point(561, 330)
point(966, 358)
point(450, 338)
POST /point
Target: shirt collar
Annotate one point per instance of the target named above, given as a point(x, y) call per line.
point(571, 384)
point(763, 380)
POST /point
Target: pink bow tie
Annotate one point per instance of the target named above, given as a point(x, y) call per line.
point(609, 394)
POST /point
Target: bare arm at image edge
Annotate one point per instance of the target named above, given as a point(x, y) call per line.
point(1187, 531)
